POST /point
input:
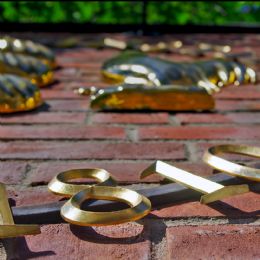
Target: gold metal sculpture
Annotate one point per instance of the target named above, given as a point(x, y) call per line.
point(71, 211)
point(60, 183)
point(18, 94)
point(26, 66)
point(140, 206)
point(7, 226)
point(213, 191)
point(211, 158)
point(28, 48)
point(174, 46)
point(156, 84)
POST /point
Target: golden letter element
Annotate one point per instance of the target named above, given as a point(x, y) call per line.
point(176, 46)
point(60, 183)
point(28, 48)
point(7, 226)
point(18, 94)
point(21, 60)
point(26, 66)
point(211, 158)
point(149, 83)
point(213, 191)
point(140, 206)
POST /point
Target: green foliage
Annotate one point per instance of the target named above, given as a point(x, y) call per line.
point(119, 12)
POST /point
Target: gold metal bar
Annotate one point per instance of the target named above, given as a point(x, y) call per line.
point(213, 191)
point(212, 158)
point(7, 225)
point(5, 211)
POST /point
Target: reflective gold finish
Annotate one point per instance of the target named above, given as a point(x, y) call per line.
point(18, 94)
point(210, 75)
point(25, 66)
point(213, 191)
point(7, 226)
point(28, 48)
point(60, 186)
point(71, 212)
point(138, 97)
point(140, 206)
point(164, 46)
point(156, 84)
point(211, 158)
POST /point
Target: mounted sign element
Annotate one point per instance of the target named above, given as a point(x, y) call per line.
point(7, 226)
point(105, 189)
point(234, 169)
point(212, 190)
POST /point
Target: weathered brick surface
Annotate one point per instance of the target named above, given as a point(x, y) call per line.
point(61, 132)
point(65, 133)
point(123, 172)
point(213, 242)
point(240, 206)
point(200, 132)
point(12, 172)
point(135, 118)
point(216, 118)
point(247, 92)
point(66, 105)
point(90, 150)
point(129, 241)
point(44, 118)
point(237, 105)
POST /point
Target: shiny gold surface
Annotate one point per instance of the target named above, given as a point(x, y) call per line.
point(18, 94)
point(60, 186)
point(7, 225)
point(71, 212)
point(169, 98)
point(213, 191)
point(28, 67)
point(176, 46)
point(140, 206)
point(28, 48)
point(211, 157)
point(149, 83)
point(131, 67)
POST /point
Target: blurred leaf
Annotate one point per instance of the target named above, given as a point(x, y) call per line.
point(121, 12)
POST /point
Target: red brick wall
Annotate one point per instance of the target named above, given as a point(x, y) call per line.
point(66, 134)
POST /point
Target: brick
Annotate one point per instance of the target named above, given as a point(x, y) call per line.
point(245, 92)
point(93, 55)
point(69, 86)
point(213, 242)
point(60, 94)
point(123, 172)
point(240, 206)
point(44, 118)
point(130, 118)
point(67, 105)
point(128, 241)
point(200, 132)
point(237, 105)
point(81, 64)
point(64, 132)
point(210, 118)
point(31, 196)
point(79, 74)
point(12, 172)
point(90, 150)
